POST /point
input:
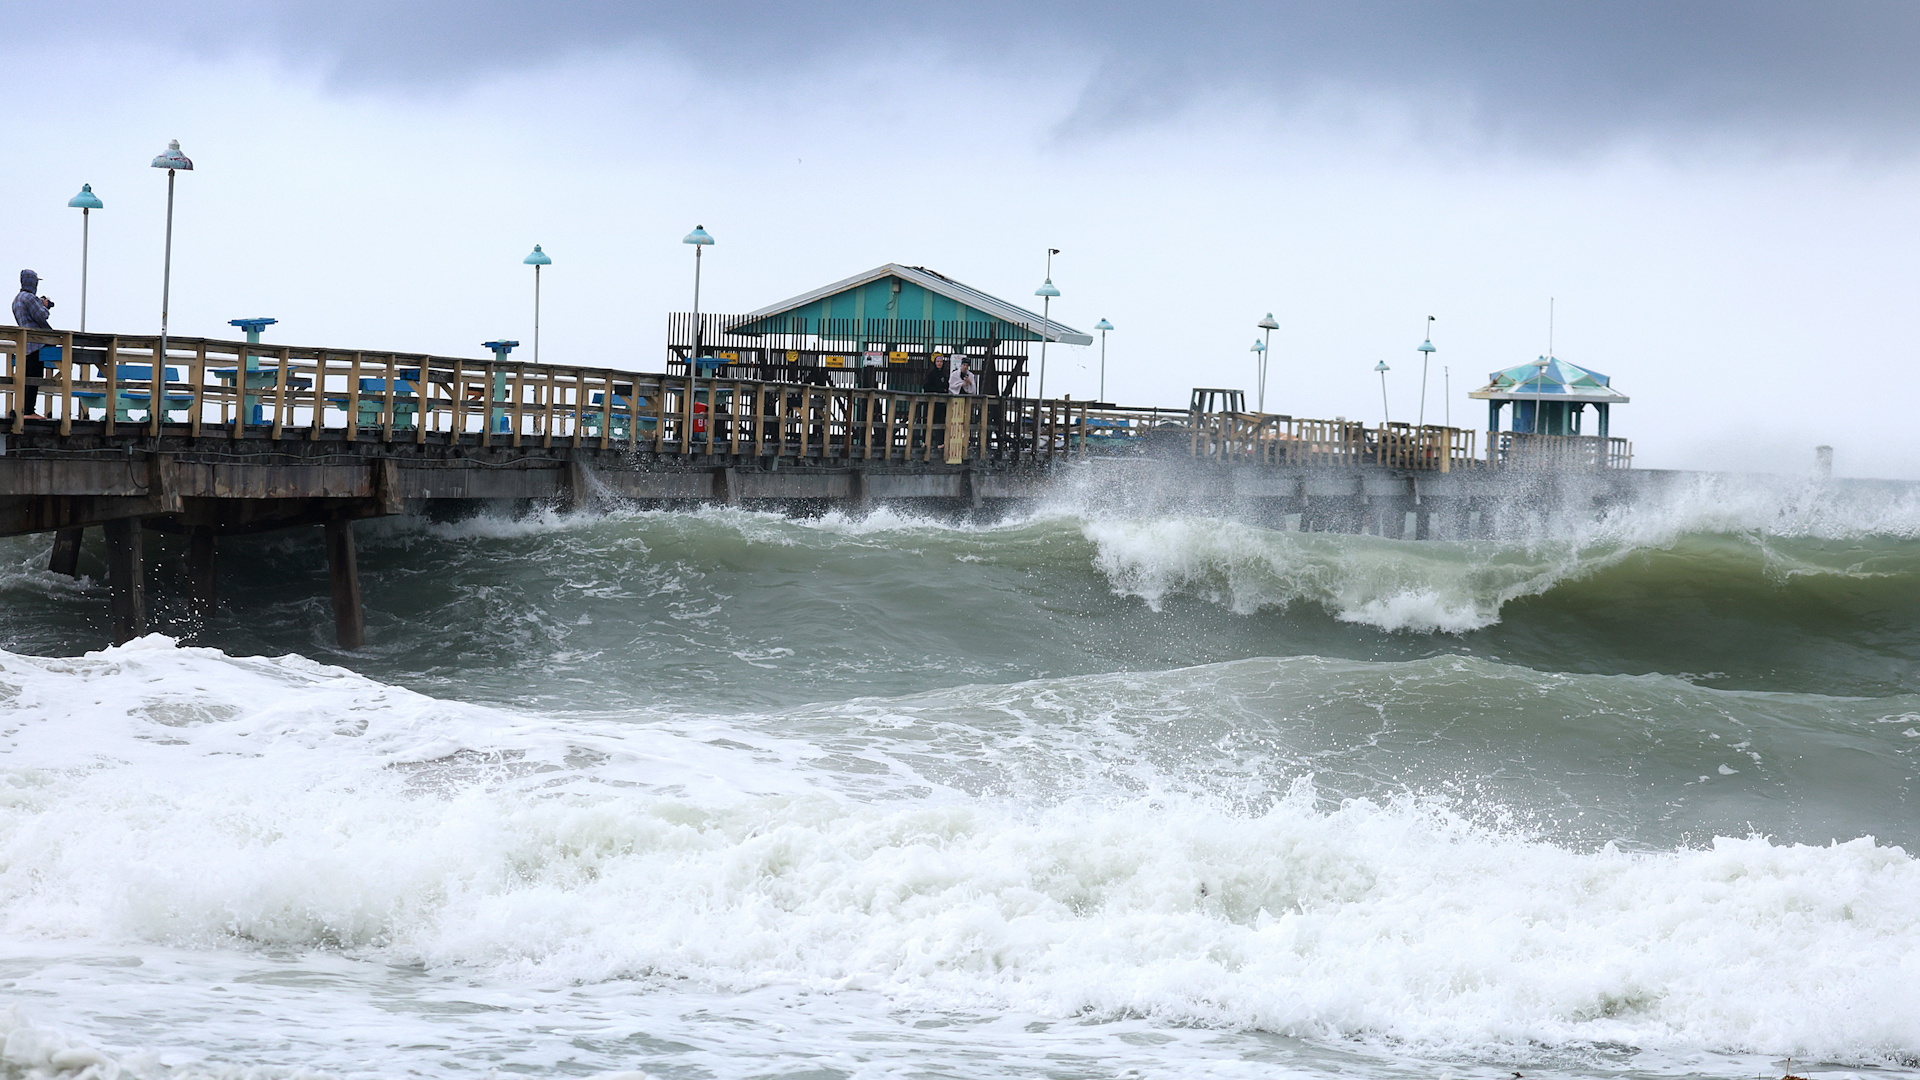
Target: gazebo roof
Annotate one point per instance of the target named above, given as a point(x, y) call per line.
point(964, 303)
point(1549, 379)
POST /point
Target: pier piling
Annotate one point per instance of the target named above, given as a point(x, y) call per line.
point(343, 570)
point(126, 578)
point(66, 552)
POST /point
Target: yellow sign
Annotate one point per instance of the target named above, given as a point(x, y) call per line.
point(793, 357)
point(833, 361)
point(898, 357)
point(726, 356)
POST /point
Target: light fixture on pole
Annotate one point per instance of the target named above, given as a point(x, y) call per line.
point(172, 161)
point(1046, 292)
point(1382, 368)
point(699, 239)
point(536, 260)
point(1426, 354)
point(1259, 351)
point(1269, 326)
point(1103, 326)
point(88, 202)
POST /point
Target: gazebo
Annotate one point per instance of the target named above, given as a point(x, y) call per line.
point(1548, 397)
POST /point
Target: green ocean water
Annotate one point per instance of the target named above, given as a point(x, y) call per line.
point(1086, 788)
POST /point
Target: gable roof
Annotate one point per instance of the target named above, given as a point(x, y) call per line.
point(933, 282)
point(1549, 379)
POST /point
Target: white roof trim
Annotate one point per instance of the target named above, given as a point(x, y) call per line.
point(936, 283)
point(1587, 397)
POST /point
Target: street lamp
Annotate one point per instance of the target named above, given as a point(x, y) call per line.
point(88, 202)
point(1269, 326)
point(536, 260)
point(1382, 368)
point(171, 161)
point(1259, 351)
point(1103, 326)
point(1046, 292)
point(699, 239)
point(1426, 354)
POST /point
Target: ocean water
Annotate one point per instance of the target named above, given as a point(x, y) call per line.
point(1098, 789)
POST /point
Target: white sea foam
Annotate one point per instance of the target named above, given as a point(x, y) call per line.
point(176, 796)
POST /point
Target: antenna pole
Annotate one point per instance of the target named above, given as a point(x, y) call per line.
point(1549, 326)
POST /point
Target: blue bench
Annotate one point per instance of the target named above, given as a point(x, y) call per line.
point(624, 411)
point(372, 408)
point(126, 402)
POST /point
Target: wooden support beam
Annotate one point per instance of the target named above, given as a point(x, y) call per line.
point(202, 581)
point(126, 578)
point(343, 571)
point(66, 552)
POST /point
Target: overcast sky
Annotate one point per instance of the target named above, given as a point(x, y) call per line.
point(1719, 195)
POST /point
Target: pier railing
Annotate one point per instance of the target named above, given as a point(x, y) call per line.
point(117, 384)
point(1524, 450)
point(1270, 439)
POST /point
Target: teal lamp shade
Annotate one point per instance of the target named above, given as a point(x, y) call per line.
point(173, 158)
point(1427, 346)
point(697, 236)
point(1268, 323)
point(86, 200)
point(1258, 346)
point(1046, 289)
point(538, 258)
point(1382, 367)
point(1103, 325)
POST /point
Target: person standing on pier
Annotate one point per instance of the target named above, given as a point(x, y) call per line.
point(963, 381)
point(936, 380)
point(30, 310)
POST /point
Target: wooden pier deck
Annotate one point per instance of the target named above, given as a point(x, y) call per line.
point(249, 438)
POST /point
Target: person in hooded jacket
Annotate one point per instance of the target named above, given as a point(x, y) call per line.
point(30, 310)
point(936, 378)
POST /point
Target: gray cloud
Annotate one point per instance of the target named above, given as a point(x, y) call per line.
point(1544, 75)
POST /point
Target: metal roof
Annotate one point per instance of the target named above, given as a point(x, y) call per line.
point(935, 282)
point(1549, 379)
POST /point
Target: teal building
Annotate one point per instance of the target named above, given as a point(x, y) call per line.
point(880, 328)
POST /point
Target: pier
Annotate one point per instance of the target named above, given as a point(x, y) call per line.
point(217, 438)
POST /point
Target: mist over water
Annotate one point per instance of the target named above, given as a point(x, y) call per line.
point(1104, 785)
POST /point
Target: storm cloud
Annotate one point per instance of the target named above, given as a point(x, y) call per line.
point(1544, 76)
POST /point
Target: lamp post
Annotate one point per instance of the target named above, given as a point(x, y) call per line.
point(536, 260)
point(1259, 351)
point(699, 239)
point(1268, 326)
point(1103, 326)
point(172, 161)
point(1446, 388)
point(1426, 354)
point(88, 202)
point(1382, 368)
point(1046, 292)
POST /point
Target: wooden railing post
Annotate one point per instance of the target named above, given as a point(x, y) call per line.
point(156, 390)
point(66, 383)
point(280, 393)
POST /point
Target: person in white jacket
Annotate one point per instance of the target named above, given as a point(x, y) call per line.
point(963, 380)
